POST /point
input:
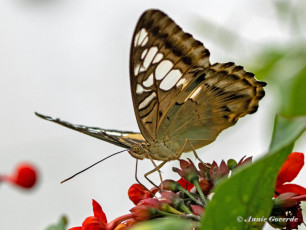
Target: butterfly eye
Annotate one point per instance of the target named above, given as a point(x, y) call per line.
point(138, 148)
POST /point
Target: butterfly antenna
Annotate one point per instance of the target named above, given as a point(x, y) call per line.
point(92, 165)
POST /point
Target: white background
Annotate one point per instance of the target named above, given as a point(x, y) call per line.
point(70, 59)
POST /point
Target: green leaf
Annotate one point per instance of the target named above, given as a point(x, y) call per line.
point(266, 63)
point(249, 192)
point(297, 99)
point(286, 131)
point(61, 225)
point(164, 224)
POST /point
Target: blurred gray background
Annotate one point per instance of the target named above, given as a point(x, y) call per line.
point(70, 59)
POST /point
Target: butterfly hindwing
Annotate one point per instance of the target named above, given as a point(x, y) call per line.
point(125, 139)
point(162, 55)
point(215, 101)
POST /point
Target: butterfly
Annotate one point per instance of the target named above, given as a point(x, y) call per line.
point(181, 101)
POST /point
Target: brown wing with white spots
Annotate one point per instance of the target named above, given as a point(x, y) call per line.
point(125, 139)
point(213, 102)
point(163, 59)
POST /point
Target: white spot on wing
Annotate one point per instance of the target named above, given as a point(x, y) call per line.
point(140, 89)
point(149, 81)
point(145, 41)
point(151, 54)
point(142, 69)
point(170, 80)
point(162, 69)
point(141, 38)
point(146, 101)
point(180, 82)
point(94, 130)
point(144, 53)
point(157, 58)
point(136, 70)
point(136, 39)
point(113, 133)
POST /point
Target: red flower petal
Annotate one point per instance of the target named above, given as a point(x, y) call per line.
point(185, 184)
point(294, 188)
point(206, 186)
point(184, 164)
point(223, 169)
point(151, 202)
point(290, 168)
point(142, 212)
point(213, 169)
point(93, 223)
point(75, 228)
point(98, 212)
point(169, 197)
point(197, 210)
point(126, 225)
point(137, 192)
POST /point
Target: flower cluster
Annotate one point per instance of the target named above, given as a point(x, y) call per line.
point(188, 197)
point(288, 196)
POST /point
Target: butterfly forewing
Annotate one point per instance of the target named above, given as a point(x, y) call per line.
point(162, 57)
point(178, 95)
point(125, 139)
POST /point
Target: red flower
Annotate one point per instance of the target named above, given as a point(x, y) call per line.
point(204, 170)
point(288, 200)
point(287, 205)
point(197, 210)
point(137, 192)
point(151, 202)
point(185, 184)
point(96, 222)
point(143, 212)
point(288, 172)
point(25, 176)
point(170, 197)
point(206, 186)
point(126, 225)
point(216, 172)
point(289, 196)
point(99, 221)
point(244, 161)
point(188, 171)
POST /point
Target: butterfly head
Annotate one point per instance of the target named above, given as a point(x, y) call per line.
point(139, 151)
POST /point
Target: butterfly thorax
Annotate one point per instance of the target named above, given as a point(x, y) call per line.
point(158, 150)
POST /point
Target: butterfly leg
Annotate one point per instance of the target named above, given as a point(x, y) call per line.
point(157, 168)
point(195, 153)
point(136, 170)
point(182, 150)
point(193, 150)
